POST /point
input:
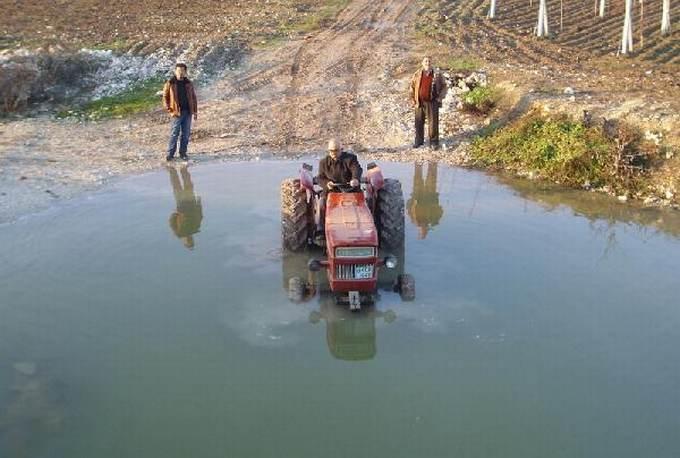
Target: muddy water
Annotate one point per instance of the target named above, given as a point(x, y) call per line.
point(150, 320)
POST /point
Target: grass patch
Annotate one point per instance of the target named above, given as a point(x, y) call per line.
point(566, 151)
point(7, 42)
point(119, 45)
point(313, 20)
point(461, 64)
point(481, 100)
point(137, 98)
point(316, 19)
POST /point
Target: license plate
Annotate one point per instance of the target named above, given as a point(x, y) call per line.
point(363, 272)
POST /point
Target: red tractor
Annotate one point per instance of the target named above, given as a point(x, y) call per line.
point(361, 225)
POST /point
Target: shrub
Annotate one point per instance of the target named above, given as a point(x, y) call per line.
point(480, 100)
point(566, 151)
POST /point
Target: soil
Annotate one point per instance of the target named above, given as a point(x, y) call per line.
point(348, 80)
point(144, 25)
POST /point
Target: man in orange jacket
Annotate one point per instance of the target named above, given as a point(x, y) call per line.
point(179, 99)
point(428, 89)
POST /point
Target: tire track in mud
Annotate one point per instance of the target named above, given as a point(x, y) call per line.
point(328, 71)
point(306, 88)
point(263, 77)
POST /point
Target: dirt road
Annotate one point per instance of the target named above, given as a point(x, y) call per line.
point(347, 80)
point(337, 82)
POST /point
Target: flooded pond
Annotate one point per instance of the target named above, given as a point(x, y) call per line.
point(150, 320)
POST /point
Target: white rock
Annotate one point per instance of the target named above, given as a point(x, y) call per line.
point(654, 137)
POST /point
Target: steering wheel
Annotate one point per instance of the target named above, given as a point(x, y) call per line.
point(344, 187)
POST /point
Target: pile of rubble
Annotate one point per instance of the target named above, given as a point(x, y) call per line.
point(460, 84)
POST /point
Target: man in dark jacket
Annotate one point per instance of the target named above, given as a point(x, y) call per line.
point(179, 99)
point(338, 168)
point(428, 89)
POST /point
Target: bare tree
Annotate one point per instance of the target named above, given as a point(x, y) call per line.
point(666, 17)
point(542, 26)
point(627, 35)
point(603, 4)
point(492, 10)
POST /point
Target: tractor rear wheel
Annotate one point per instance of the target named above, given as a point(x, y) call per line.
point(294, 215)
point(390, 214)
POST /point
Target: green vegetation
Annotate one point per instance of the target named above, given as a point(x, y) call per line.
point(322, 16)
point(137, 98)
point(568, 152)
point(118, 45)
point(481, 100)
point(313, 20)
point(460, 64)
point(7, 42)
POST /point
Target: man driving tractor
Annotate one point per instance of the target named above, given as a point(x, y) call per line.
point(338, 169)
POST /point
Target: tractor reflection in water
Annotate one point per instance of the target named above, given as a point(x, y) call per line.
point(350, 336)
point(34, 408)
point(363, 229)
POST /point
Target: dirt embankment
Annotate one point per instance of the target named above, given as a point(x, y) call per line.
point(347, 78)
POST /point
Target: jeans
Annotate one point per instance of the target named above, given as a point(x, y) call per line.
point(180, 125)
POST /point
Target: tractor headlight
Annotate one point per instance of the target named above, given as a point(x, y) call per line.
point(355, 252)
point(391, 262)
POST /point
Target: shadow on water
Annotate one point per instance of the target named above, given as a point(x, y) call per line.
point(186, 220)
point(602, 211)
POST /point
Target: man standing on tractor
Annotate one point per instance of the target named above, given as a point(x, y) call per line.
point(339, 168)
point(179, 99)
point(427, 92)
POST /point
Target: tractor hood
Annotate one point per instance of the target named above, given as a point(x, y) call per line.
point(349, 222)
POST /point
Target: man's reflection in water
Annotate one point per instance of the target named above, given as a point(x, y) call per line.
point(350, 336)
point(186, 220)
point(423, 206)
